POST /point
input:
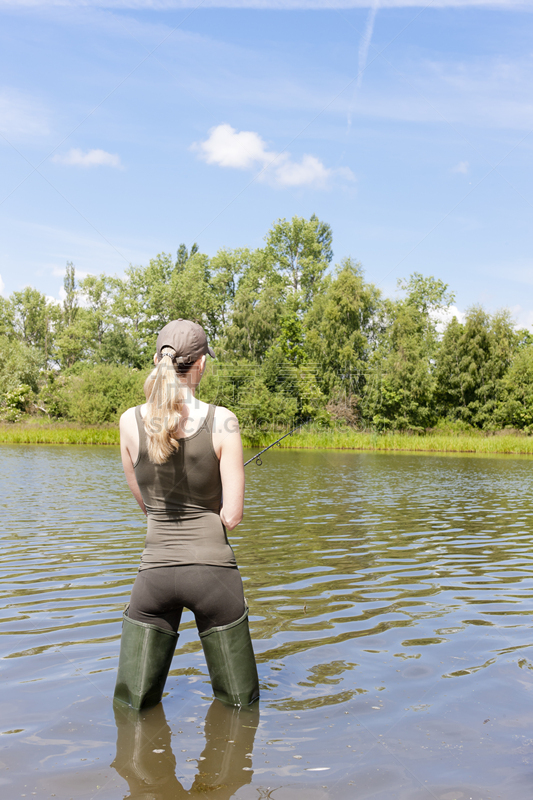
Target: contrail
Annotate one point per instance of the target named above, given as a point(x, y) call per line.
point(363, 51)
point(365, 41)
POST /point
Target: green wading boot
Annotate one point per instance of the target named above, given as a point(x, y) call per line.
point(231, 662)
point(145, 657)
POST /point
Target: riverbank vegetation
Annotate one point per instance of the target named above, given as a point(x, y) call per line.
point(297, 338)
point(31, 431)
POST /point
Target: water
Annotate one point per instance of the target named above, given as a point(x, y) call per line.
point(391, 603)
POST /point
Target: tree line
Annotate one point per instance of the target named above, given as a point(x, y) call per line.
point(296, 338)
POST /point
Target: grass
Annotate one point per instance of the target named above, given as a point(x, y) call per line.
point(38, 432)
point(438, 442)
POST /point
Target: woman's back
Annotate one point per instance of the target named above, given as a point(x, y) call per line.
point(182, 497)
point(188, 481)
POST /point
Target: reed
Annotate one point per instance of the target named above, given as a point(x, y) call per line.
point(60, 433)
point(339, 439)
point(31, 432)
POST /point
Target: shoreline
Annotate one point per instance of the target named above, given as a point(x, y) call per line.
point(502, 442)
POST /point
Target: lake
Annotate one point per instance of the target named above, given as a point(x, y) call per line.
point(391, 601)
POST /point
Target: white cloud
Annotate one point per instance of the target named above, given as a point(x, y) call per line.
point(92, 158)
point(246, 150)
point(523, 317)
point(227, 148)
point(307, 172)
point(2, 285)
point(21, 115)
point(463, 168)
point(444, 315)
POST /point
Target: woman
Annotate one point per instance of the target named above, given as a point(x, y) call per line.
point(183, 463)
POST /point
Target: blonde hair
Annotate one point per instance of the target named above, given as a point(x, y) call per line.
point(164, 402)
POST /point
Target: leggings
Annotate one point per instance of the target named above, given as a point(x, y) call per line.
point(213, 594)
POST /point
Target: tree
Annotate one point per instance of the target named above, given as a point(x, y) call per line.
point(226, 267)
point(515, 402)
point(19, 364)
point(30, 314)
point(183, 255)
point(141, 308)
point(97, 394)
point(70, 301)
point(7, 318)
point(451, 382)
point(19, 374)
point(73, 342)
point(471, 364)
point(106, 337)
point(427, 294)
point(300, 250)
point(257, 309)
point(190, 294)
point(400, 383)
point(341, 330)
point(72, 335)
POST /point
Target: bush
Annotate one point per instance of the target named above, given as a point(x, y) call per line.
point(19, 365)
point(19, 373)
point(16, 402)
point(445, 425)
point(93, 395)
point(515, 406)
point(242, 389)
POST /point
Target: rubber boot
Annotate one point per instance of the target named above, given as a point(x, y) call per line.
point(231, 662)
point(145, 657)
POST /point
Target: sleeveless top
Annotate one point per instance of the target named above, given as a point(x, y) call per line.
point(182, 499)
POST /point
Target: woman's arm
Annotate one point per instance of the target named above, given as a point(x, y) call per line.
point(126, 445)
point(228, 447)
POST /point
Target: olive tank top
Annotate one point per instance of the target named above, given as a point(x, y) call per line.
point(182, 499)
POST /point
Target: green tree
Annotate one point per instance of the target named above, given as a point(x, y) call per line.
point(301, 251)
point(30, 314)
point(183, 255)
point(226, 267)
point(257, 309)
point(70, 300)
point(341, 330)
point(73, 343)
point(471, 364)
point(98, 292)
point(400, 383)
point(100, 393)
point(427, 294)
point(190, 294)
point(72, 334)
point(7, 318)
point(515, 402)
point(141, 306)
point(20, 366)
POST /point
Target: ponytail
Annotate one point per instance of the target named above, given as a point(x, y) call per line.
point(164, 402)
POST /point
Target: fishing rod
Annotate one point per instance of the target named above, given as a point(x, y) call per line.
point(257, 457)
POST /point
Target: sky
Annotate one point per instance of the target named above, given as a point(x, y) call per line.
point(130, 126)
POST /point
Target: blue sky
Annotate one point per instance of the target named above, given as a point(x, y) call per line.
point(128, 127)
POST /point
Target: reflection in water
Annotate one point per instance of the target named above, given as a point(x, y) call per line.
point(146, 761)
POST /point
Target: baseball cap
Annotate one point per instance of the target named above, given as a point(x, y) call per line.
point(187, 338)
